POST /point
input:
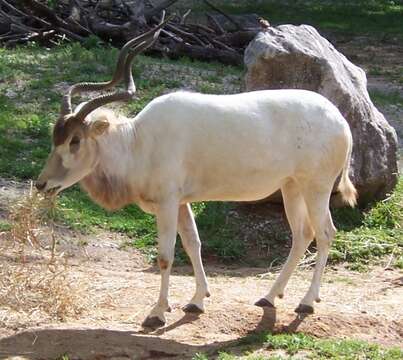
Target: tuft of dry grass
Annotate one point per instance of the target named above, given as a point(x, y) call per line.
point(35, 282)
point(29, 216)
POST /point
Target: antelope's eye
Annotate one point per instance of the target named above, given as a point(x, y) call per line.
point(74, 144)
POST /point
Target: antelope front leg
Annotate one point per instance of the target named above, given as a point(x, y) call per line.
point(167, 217)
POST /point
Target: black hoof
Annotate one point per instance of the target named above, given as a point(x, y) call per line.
point(304, 309)
point(192, 308)
point(153, 322)
point(263, 302)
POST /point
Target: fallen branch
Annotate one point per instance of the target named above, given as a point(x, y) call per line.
point(222, 45)
point(42, 11)
point(184, 17)
point(185, 34)
point(22, 14)
point(219, 29)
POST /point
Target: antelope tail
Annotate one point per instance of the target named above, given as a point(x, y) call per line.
point(346, 187)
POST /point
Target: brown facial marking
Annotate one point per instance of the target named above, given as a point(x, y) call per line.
point(74, 144)
point(163, 264)
point(64, 127)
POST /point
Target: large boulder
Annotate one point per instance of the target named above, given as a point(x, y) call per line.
point(298, 57)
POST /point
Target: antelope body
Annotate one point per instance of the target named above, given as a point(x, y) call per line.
point(188, 147)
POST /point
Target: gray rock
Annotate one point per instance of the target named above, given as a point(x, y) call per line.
point(291, 56)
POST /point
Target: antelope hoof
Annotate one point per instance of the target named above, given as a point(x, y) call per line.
point(263, 302)
point(153, 322)
point(193, 309)
point(304, 309)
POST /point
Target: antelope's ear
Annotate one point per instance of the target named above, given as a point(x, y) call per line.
point(98, 127)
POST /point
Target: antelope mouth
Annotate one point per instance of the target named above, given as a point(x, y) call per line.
point(52, 191)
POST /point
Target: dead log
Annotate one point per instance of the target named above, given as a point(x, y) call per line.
point(120, 20)
point(106, 30)
point(222, 45)
point(4, 27)
point(238, 39)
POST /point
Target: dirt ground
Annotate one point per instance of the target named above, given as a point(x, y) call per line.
point(121, 287)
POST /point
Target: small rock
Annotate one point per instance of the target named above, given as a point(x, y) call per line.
point(11, 94)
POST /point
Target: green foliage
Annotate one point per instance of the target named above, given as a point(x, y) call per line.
point(200, 356)
point(218, 232)
point(359, 16)
point(82, 214)
point(382, 99)
point(330, 349)
point(376, 232)
point(4, 225)
point(291, 343)
point(92, 41)
point(23, 140)
point(63, 357)
point(299, 344)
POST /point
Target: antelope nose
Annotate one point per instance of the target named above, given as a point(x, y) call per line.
point(40, 185)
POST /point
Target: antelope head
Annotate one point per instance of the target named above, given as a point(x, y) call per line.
point(75, 147)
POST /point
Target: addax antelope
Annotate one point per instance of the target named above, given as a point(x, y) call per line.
point(187, 147)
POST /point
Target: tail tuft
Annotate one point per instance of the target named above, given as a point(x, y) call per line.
point(346, 187)
point(348, 190)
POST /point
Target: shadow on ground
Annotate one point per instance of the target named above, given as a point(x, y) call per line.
point(98, 343)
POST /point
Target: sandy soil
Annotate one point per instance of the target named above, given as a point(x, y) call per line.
point(122, 288)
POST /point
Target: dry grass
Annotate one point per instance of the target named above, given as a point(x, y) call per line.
point(35, 283)
point(29, 216)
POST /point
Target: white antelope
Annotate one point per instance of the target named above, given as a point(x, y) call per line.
point(188, 147)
